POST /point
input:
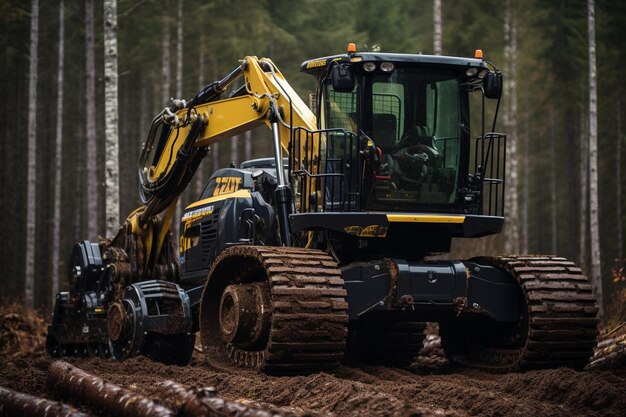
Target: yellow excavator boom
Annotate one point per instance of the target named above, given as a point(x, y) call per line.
point(264, 98)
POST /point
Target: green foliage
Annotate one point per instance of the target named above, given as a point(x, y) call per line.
point(474, 25)
point(399, 26)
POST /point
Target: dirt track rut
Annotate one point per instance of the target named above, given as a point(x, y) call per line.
point(362, 390)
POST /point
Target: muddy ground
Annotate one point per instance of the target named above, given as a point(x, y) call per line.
point(362, 390)
point(428, 387)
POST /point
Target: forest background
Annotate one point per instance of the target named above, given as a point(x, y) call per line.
point(173, 48)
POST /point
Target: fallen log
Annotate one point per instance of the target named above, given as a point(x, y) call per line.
point(70, 381)
point(13, 403)
point(202, 402)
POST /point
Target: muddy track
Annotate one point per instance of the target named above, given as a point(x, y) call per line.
point(307, 327)
point(560, 318)
point(363, 390)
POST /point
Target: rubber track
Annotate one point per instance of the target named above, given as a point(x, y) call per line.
point(562, 323)
point(309, 311)
point(82, 350)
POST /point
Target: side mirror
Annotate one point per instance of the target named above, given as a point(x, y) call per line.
point(492, 85)
point(342, 78)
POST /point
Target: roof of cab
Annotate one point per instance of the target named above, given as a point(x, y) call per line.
point(316, 65)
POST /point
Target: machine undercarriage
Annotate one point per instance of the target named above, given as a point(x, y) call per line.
point(293, 309)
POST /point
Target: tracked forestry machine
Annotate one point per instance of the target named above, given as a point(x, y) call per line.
point(293, 262)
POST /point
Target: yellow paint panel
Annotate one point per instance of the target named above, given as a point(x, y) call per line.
point(236, 194)
point(424, 218)
point(230, 117)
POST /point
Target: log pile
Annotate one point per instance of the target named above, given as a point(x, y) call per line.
point(72, 384)
point(611, 350)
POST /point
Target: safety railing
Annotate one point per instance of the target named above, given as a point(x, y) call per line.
point(324, 166)
point(490, 166)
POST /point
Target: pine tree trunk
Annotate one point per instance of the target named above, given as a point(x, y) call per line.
point(553, 189)
point(144, 108)
point(129, 135)
point(511, 203)
point(58, 162)
point(618, 175)
point(215, 148)
point(234, 150)
point(166, 73)
point(112, 177)
point(91, 166)
point(215, 158)
point(79, 212)
point(437, 32)
point(525, 194)
point(200, 177)
point(248, 145)
point(513, 135)
point(179, 94)
point(596, 268)
point(31, 174)
point(179, 51)
point(584, 190)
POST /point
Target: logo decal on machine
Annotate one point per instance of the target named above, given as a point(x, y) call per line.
point(191, 234)
point(196, 214)
point(316, 64)
point(226, 185)
point(375, 230)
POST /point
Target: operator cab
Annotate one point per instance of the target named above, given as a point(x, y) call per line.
point(413, 118)
point(395, 138)
point(413, 110)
